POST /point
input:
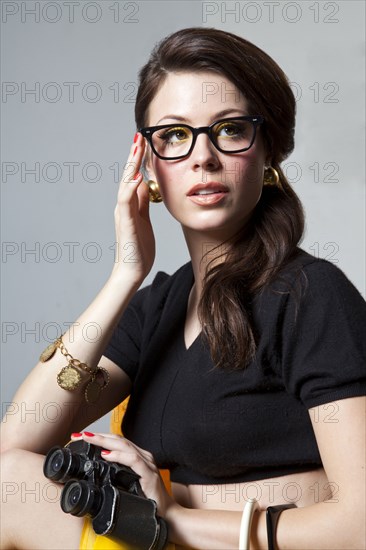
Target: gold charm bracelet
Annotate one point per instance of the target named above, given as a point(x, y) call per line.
point(69, 377)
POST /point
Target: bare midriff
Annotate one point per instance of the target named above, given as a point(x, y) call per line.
point(303, 488)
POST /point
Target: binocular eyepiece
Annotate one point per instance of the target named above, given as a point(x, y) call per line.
point(107, 492)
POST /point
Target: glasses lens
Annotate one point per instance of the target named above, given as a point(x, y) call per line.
point(233, 135)
point(173, 141)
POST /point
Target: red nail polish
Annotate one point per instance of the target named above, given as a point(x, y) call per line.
point(134, 153)
point(89, 434)
point(137, 175)
point(136, 137)
point(105, 452)
point(76, 434)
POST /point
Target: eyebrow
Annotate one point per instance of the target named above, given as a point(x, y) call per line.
point(215, 117)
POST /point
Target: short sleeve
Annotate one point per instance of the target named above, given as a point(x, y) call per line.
point(125, 344)
point(323, 342)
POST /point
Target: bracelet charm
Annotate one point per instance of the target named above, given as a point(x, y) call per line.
point(69, 378)
point(98, 382)
point(48, 352)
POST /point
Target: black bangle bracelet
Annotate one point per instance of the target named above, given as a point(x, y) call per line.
point(272, 515)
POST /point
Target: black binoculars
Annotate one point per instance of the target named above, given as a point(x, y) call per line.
point(109, 493)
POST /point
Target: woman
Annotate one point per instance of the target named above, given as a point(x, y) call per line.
point(246, 368)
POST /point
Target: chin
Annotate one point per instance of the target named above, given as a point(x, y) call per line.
point(219, 228)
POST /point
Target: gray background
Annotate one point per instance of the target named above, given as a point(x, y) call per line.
point(100, 46)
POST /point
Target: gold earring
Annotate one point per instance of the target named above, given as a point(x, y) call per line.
point(154, 191)
point(271, 176)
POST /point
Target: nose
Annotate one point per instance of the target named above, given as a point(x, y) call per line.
point(204, 154)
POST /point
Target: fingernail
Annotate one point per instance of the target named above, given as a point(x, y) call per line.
point(134, 153)
point(76, 434)
point(105, 452)
point(137, 175)
point(89, 434)
point(136, 137)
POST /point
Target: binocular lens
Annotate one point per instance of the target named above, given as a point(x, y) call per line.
point(57, 464)
point(61, 465)
point(74, 495)
point(57, 461)
point(80, 498)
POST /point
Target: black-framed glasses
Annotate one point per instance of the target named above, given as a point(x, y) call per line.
point(228, 135)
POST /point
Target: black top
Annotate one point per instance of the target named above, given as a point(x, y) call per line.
point(211, 426)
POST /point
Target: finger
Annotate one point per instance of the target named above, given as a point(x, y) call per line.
point(90, 435)
point(131, 177)
point(144, 202)
point(138, 462)
point(134, 159)
point(115, 442)
point(126, 191)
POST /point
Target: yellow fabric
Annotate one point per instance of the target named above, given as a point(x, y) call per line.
point(89, 539)
point(88, 536)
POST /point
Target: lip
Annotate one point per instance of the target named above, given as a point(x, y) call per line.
point(219, 192)
point(207, 200)
point(213, 186)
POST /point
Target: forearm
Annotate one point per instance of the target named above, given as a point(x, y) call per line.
point(53, 412)
point(322, 526)
point(88, 344)
point(327, 525)
point(212, 529)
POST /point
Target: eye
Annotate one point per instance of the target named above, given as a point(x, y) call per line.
point(172, 135)
point(229, 129)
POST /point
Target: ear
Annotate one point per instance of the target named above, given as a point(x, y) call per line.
point(268, 159)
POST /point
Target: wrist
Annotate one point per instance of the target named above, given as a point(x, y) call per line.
point(258, 532)
point(173, 516)
point(124, 280)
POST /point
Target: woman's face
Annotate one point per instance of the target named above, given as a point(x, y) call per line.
point(234, 180)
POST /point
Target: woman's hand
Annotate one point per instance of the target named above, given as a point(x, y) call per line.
point(135, 242)
point(121, 450)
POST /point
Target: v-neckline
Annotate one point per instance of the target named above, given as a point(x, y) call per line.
point(183, 314)
point(192, 344)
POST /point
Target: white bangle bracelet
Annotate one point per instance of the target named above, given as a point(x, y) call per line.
point(246, 521)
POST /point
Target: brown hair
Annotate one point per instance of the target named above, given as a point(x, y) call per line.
point(269, 240)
